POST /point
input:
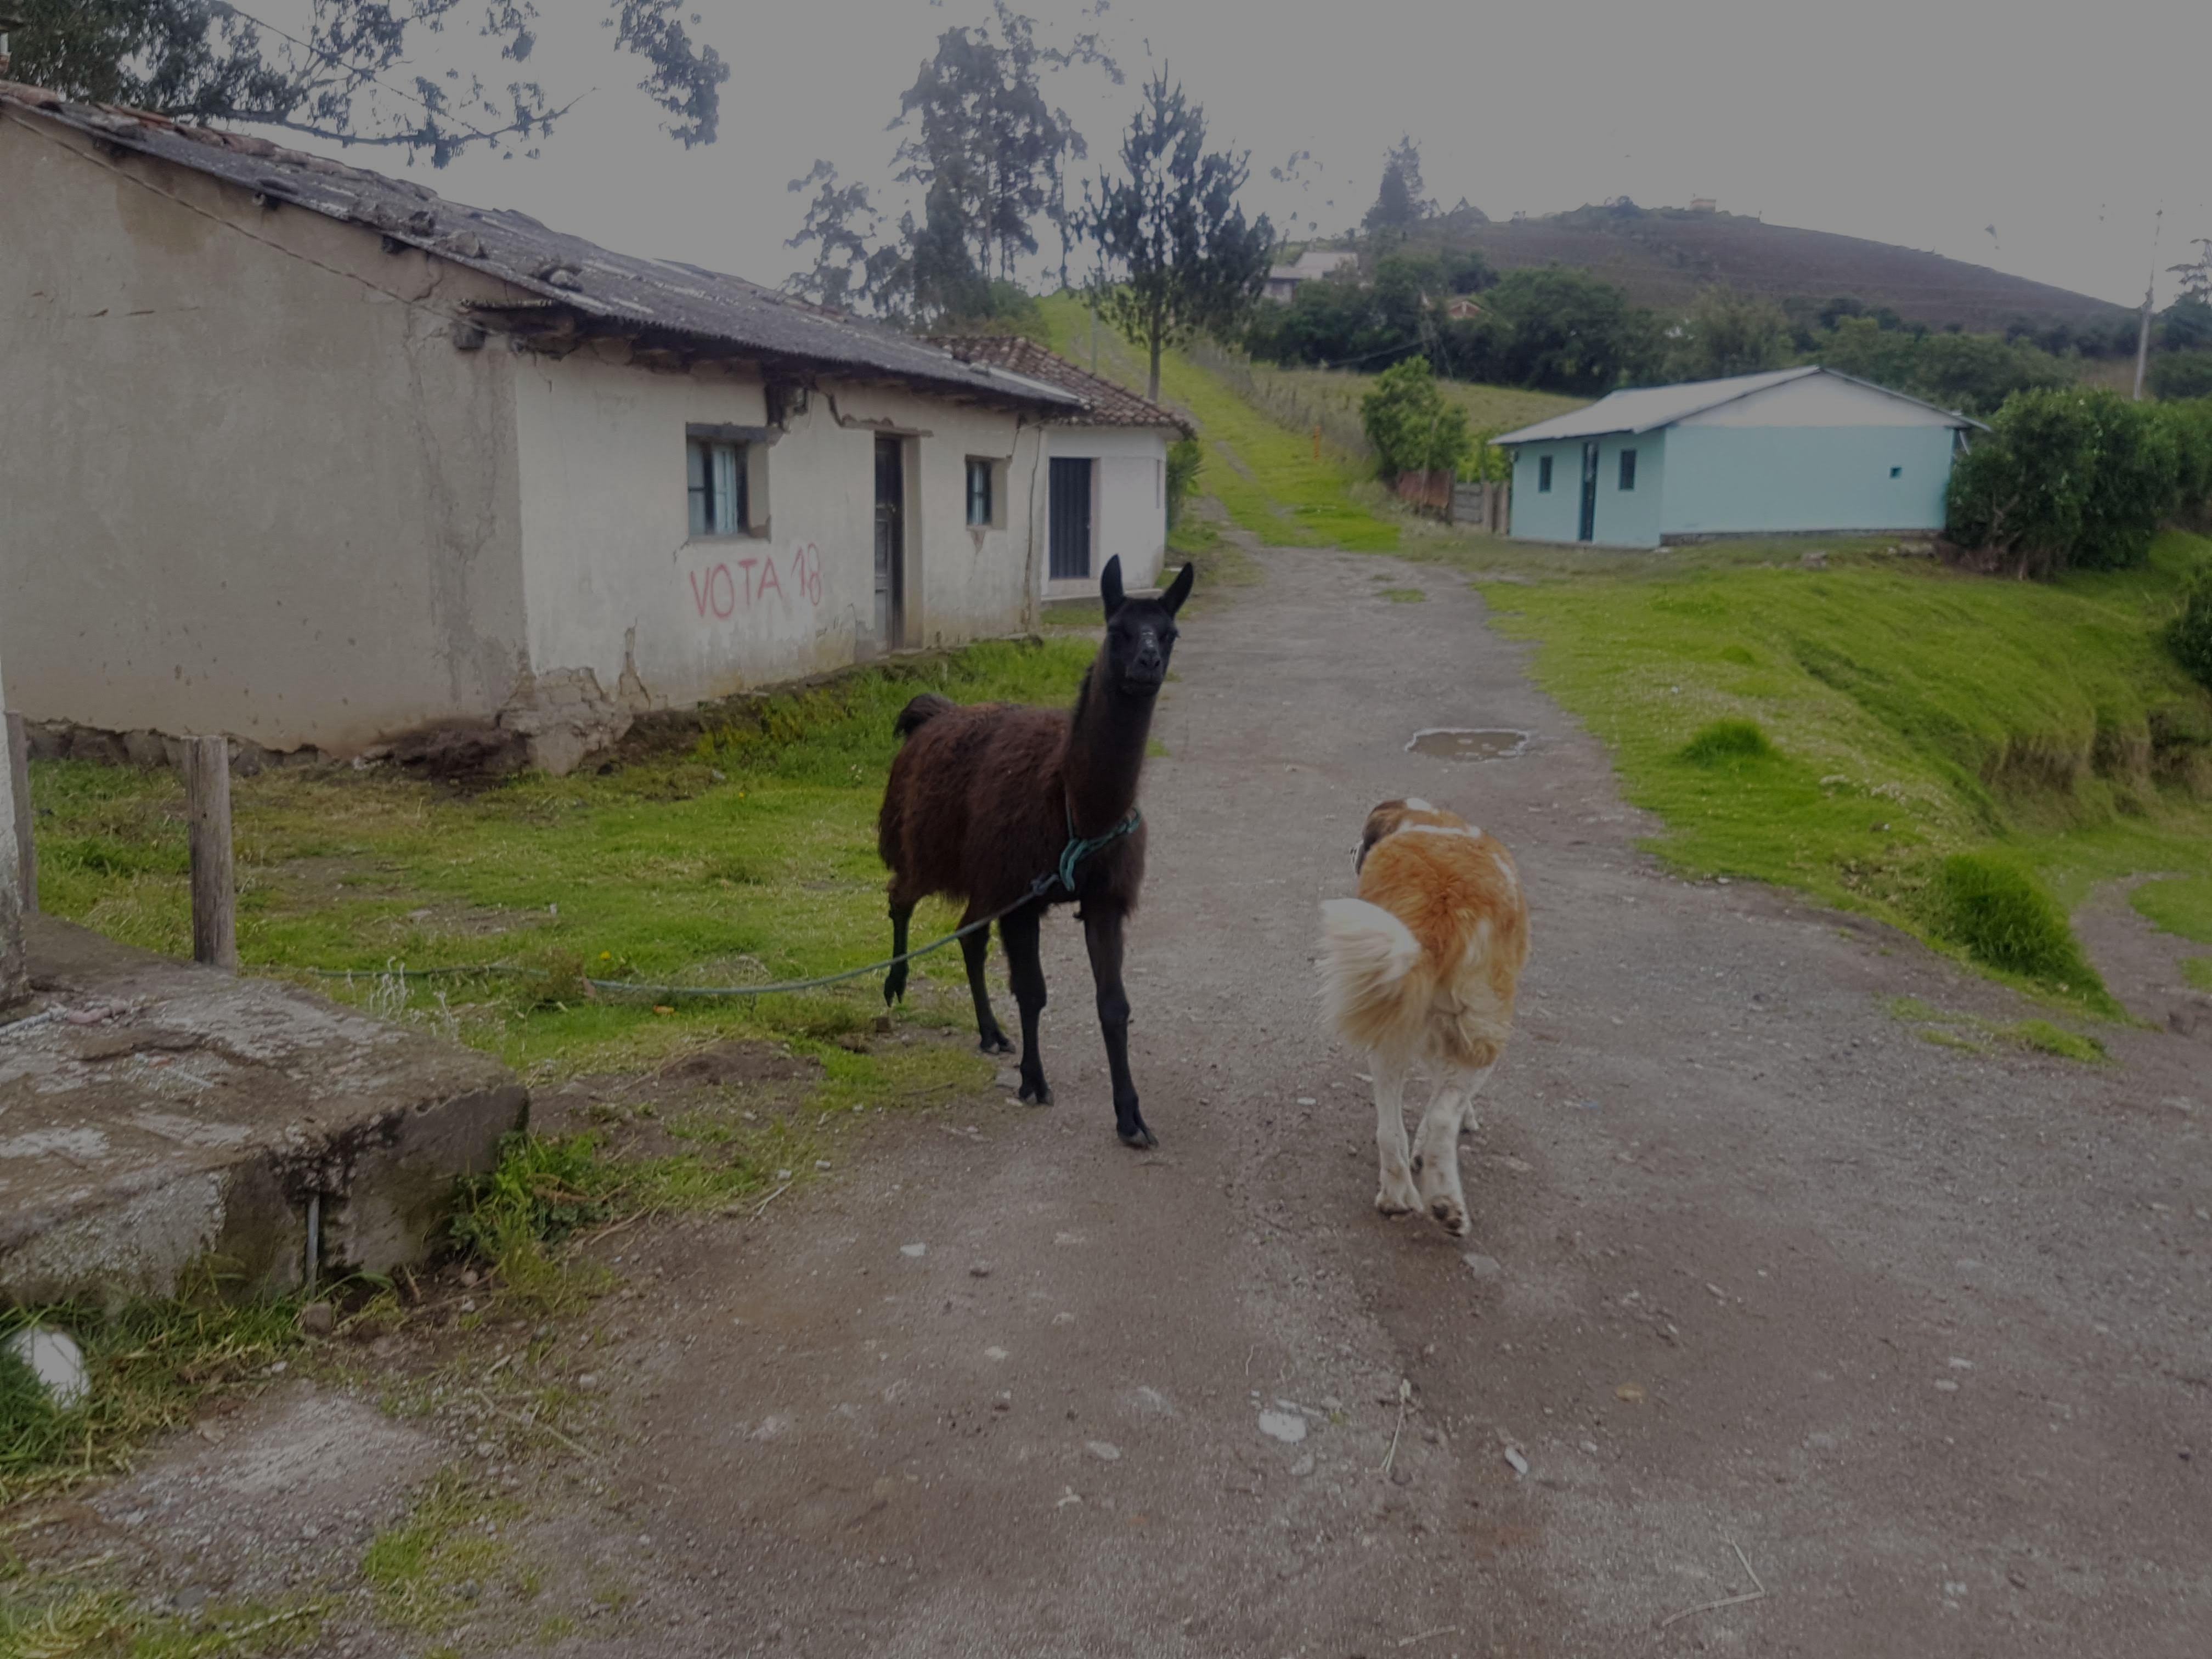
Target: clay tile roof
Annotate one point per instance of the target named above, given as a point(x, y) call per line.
point(1104, 403)
point(549, 269)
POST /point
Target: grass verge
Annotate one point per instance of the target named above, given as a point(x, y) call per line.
point(1961, 757)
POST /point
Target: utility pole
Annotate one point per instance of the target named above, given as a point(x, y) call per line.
point(2143, 335)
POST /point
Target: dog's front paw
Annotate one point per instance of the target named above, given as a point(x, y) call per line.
point(1398, 1200)
point(1450, 1214)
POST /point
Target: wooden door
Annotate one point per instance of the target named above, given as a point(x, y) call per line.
point(890, 544)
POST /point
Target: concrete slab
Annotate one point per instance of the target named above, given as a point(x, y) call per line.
point(154, 1114)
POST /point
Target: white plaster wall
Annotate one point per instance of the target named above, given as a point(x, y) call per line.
point(248, 483)
point(617, 588)
point(1128, 503)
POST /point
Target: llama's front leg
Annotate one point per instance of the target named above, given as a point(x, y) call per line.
point(1026, 970)
point(1397, 1194)
point(1436, 1148)
point(975, 949)
point(1102, 933)
point(895, 980)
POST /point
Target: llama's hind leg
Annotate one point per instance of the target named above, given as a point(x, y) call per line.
point(1397, 1195)
point(975, 950)
point(1025, 968)
point(1436, 1147)
point(895, 980)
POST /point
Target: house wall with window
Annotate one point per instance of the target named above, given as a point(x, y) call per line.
point(1129, 510)
point(248, 484)
point(1546, 501)
point(641, 610)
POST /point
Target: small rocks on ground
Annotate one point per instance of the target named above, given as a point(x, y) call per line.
point(1520, 1463)
point(1289, 1427)
point(317, 1319)
point(916, 1251)
point(1104, 1450)
point(1483, 1267)
point(979, 1270)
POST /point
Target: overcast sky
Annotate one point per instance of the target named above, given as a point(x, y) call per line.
point(1926, 123)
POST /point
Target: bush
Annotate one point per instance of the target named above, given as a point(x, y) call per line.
point(2005, 921)
point(1727, 740)
point(1413, 427)
point(2072, 478)
point(1184, 465)
point(2189, 425)
point(2181, 375)
point(2189, 636)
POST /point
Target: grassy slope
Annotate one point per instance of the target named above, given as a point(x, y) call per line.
point(1265, 476)
point(1915, 713)
point(1490, 408)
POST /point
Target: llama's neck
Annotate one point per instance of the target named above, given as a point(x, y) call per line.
point(1105, 755)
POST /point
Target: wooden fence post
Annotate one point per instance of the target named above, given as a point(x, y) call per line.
point(19, 775)
point(207, 811)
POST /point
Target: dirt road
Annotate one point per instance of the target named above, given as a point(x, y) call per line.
point(1922, 1334)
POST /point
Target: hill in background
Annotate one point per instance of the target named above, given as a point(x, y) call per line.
point(1662, 256)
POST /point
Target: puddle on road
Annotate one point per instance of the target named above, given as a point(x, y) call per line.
point(1465, 743)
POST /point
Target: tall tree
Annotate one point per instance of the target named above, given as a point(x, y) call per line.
point(841, 221)
point(354, 76)
point(1172, 229)
point(1399, 202)
point(985, 147)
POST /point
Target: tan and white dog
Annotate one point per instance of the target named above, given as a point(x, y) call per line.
point(1424, 965)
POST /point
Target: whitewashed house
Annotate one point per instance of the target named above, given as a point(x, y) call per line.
point(309, 456)
point(1106, 490)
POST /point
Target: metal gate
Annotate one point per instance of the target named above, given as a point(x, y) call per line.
point(1071, 518)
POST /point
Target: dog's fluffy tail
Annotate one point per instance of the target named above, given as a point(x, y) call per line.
point(1373, 989)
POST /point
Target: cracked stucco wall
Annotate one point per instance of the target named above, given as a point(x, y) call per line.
point(618, 593)
point(249, 484)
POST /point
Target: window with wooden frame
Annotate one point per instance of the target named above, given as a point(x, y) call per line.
point(980, 495)
point(717, 478)
point(987, 493)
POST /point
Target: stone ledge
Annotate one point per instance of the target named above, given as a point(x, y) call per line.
point(155, 1116)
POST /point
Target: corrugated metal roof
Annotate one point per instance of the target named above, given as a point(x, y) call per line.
point(1649, 407)
point(1104, 403)
point(615, 291)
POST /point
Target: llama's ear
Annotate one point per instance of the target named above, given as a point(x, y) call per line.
point(1179, 589)
point(1110, 586)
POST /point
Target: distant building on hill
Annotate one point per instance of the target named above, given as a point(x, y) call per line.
point(1704, 205)
point(1311, 266)
point(1794, 450)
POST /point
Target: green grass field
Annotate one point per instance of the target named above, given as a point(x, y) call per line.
point(750, 857)
point(1908, 714)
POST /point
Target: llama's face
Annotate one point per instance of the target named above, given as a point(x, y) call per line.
point(1140, 634)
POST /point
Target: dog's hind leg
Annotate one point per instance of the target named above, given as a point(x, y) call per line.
point(1397, 1195)
point(1436, 1147)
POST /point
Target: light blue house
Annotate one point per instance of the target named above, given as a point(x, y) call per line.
point(1798, 449)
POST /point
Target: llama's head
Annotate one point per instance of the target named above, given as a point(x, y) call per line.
point(1140, 634)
